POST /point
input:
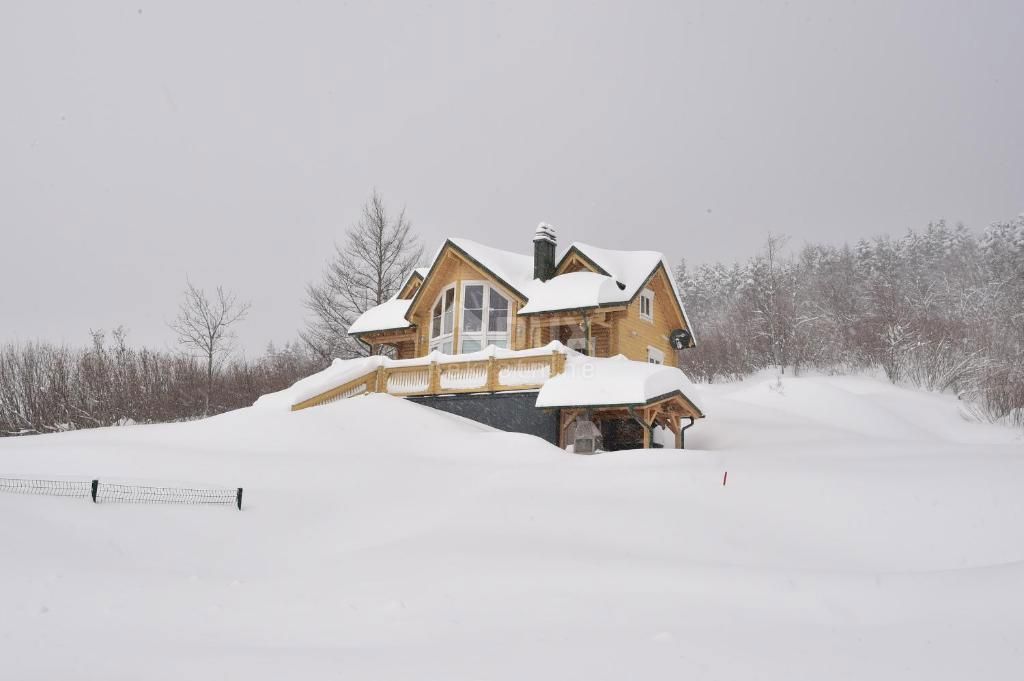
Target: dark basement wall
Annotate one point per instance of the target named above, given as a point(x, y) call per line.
point(514, 412)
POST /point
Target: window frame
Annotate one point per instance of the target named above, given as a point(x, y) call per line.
point(484, 336)
point(654, 353)
point(437, 342)
point(647, 296)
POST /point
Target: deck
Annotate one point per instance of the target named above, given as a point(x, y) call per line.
point(419, 377)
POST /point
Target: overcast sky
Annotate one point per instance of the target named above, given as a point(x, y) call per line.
point(233, 143)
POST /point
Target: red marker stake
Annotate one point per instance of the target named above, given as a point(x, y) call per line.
point(724, 478)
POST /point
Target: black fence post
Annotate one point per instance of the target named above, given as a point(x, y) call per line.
point(238, 498)
point(95, 489)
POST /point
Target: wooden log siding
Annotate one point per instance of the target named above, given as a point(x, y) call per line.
point(472, 376)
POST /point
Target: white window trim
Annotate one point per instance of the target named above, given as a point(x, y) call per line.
point(437, 341)
point(648, 295)
point(578, 344)
point(484, 336)
point(654, 353)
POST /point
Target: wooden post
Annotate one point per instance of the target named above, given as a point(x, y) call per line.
point(647, 434)
point(586, 334)
point(566, 417)
point(492, 375)
point(434, 384)
point(557, 363)
point(382, 381)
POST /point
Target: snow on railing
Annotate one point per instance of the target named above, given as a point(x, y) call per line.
point(403, 381)
point(524, 373)
point(351, 392)
point(490, 370)
point(459, 377)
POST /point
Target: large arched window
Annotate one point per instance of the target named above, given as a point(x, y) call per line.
point(484, 317)
point(442, 321)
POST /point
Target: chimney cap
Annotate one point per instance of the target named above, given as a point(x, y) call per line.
point(545, 232)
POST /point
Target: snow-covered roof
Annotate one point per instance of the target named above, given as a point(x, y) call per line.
point(610, 381)
point(384, 317)
point(420, 272)
point(514, 269)
point(623, 275)
point(630, 268)
point(571, 291)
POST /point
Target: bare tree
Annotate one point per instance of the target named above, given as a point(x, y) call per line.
point(379, 252)
point(204, 326)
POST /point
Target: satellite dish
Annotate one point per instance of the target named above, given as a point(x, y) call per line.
point(681, 339)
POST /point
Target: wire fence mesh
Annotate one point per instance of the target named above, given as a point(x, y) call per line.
point(54, 488)
point(106, 492)
point(138, 494)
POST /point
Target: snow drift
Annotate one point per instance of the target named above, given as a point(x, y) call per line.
point(865, 532)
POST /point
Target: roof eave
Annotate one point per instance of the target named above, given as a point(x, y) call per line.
point(358, 334)
point(628, 405)
point(448, 243)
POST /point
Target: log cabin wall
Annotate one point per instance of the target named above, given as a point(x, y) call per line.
point(454, 269)
point(636, 334)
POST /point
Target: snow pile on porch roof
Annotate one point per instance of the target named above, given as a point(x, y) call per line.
point(384, 317)
point(613, 381)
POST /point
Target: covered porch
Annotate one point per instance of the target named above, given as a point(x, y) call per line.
point(617, 423)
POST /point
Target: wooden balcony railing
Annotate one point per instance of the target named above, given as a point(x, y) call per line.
point(449, 377)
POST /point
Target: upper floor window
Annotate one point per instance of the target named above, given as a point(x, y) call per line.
point(485, 317)
point(442, 321)
point(647, 304)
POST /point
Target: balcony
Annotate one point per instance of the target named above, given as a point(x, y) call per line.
point(439, 374)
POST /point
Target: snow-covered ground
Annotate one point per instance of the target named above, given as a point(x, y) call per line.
point(866, 532)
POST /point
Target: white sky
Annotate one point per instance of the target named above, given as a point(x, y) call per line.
point(234, 142)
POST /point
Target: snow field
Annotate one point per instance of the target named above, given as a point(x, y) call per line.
point(866, 531)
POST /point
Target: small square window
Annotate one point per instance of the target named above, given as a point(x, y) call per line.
point(647, 304)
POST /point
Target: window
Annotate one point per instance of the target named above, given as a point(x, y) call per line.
point(647, 304)
point(579, 345)
point(484, 318)
point(655, 356)
point(442, 321)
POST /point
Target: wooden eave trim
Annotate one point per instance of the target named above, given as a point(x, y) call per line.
point(607, 307)
point(409, 282)
point(376, 332)
point(628, 405)
point(449, 244)
point(678, 303)
point(582, 256)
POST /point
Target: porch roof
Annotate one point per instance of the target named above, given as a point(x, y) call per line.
point(615, 382)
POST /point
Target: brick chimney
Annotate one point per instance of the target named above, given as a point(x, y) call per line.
point(544, 242)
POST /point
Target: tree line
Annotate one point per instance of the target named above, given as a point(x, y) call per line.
point(45, 387)
point(938, 308)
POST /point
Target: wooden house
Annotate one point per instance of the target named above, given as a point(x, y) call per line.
point(489, 311)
